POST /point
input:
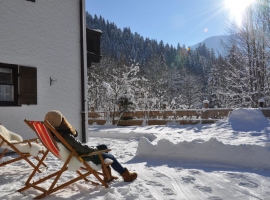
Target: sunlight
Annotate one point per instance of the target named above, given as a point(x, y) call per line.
point(237, 7)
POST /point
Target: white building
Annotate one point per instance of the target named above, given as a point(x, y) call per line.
point(43, 63)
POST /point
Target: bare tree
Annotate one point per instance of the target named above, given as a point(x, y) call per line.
point(248, 55)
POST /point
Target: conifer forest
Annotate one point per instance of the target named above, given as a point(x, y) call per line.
point(148, 74)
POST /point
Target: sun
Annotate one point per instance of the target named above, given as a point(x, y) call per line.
point(237, 8)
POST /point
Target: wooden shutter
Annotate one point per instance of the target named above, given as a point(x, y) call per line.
point(27, 85)
point(93, 46)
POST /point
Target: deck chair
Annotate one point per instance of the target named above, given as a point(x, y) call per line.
point(44, 131)
point(13, 143)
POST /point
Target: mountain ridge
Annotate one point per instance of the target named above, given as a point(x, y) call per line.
point(214, 42)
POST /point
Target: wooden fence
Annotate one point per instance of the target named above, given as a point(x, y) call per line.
point(159, 117)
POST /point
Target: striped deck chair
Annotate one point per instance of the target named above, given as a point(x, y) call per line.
point(13, 147)
point(44, 131)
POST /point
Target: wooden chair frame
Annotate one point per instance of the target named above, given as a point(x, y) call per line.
point(44, 131)
point(20, 155)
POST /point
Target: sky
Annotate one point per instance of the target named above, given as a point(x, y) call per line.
point(173, 21)
point(229, 159)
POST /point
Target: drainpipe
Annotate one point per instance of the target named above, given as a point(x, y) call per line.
point(83, 71)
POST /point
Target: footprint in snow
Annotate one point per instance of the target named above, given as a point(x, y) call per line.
point(123, 190)
point(203, 188)
point(188, 179)
point(129, 153)
point(214, 198)
point(159, 175)
point(178, 169)
point(243, 180)
point(193, 172)
point(132, 196)
point(150, 168)
point(168, 191)
point(248, 184)
point(143, 191)
point(154, 183)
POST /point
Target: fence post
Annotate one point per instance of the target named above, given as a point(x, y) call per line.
point(146, 117)
point(206, 106)
point(164, 106)
point(261, 102)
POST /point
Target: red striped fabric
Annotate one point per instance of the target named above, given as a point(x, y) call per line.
point(45, 137)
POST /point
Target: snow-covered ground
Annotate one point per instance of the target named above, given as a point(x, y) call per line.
point(227, 160)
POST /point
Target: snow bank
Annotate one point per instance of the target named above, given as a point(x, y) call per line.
point(119, 134)
point(210, 152)
point(248, 120)
point(214, 151)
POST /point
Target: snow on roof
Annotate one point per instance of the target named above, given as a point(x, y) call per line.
point(97, 30)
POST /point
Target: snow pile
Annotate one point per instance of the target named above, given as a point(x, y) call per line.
point(119, 134)
point(214, 151)
point(210, 152)
point(248, 120)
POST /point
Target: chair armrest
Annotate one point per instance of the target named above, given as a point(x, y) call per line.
point(31, 140)
point(95, 153)
point(27, 141)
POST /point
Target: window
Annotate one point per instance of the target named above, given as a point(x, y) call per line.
point(8, 84)
point(18, 85)
point(6, 89)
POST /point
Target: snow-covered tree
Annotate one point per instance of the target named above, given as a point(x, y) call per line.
point(111, 80)
point(248, 57)
point(190, 91)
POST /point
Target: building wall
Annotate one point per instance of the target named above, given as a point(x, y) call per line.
point(45, 35)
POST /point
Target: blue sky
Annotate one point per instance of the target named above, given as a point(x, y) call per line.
point(173, 21)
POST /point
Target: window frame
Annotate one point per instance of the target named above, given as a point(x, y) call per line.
point(15, 84)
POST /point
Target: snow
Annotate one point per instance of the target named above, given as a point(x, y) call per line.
point(205, 101)
point(248, 120)
point(97, 30)
point(226, 160)
point(261, 100)
point(214, 43)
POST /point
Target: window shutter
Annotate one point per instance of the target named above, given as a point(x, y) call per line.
point(93, 46)
point(27, 85)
